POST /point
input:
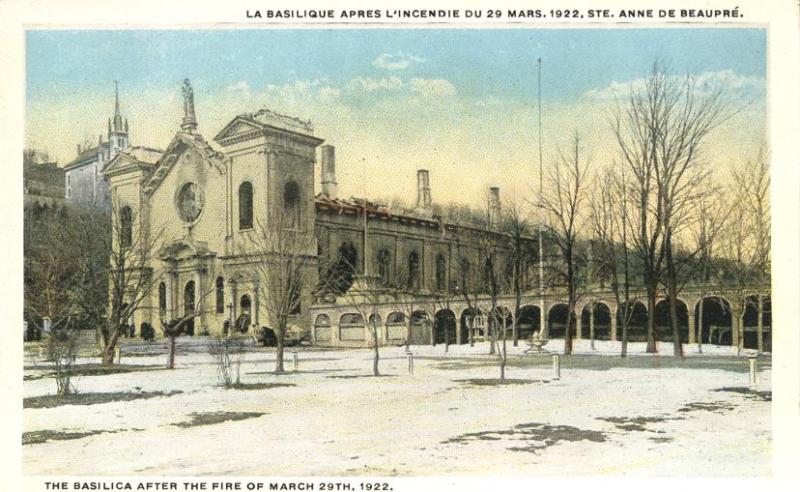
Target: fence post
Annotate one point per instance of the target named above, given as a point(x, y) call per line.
point(752, 364)
point(410, 363)
point(556, 367)
point(295, 360)
point(118, 354)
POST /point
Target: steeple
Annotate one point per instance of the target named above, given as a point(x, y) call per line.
point(118, 124)
point(189, 120)
point(117, 127)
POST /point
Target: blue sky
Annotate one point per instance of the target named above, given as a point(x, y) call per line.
point(460, 102)
point(485, 61)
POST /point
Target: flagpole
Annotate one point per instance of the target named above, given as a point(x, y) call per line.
point(543, 331)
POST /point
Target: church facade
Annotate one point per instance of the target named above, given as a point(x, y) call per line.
point(210, 203)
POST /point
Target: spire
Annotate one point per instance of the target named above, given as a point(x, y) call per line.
point(189, 120)
point(117, 125)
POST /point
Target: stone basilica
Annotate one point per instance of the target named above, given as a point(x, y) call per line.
point(207, 201)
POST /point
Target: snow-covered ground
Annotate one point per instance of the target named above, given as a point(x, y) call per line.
point(647, 415)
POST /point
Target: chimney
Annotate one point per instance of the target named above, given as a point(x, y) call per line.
point(494, 205)
point(423, 190)
point(329, 171)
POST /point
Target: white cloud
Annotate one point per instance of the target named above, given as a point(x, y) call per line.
point(733, 84)
point(371, 85)
point(242, 87)
point(398, 61)
point(433, 87)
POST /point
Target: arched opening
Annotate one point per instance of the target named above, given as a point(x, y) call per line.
point(714, 321)
point(444, 327)
point(413, 271)
point(396, 327)
point(420, 328)
point(663, 321)
point(602, 321)
point(162, 300)
point(220, 295)
point(441, 273)
point(351, 327)
point(291, 205)
point(243, 321)
point(322, 328)
point(344, 268)
point(188, 306)
point(472, 320)
point(500, 320)
point(557, 321)
point(529, 321)
point(751, 322)
point(636, 313)
point(125, 226)
point(375, 322)
point(245, 205)
point(384, 263)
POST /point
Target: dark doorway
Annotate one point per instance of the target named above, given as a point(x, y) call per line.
point(529, 321)
point(188, 306)
point(444, 327)
point(715, 322)
point(637, 321)
point(602, 321)
point(663, 321)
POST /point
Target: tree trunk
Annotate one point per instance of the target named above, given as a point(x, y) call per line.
point(700, 325)
point(376, 355)
point(568, 330)
point(624, 350)
point(672, 294)
point(171, 356)
point(108, 350)
point(760, 328)
point(279, 340)
point(651, 318)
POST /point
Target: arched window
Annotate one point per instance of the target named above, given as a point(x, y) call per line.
point(246, 205)
point(322, 328)
point(162, 300)
point(374, 320)
point(125, 226)
point(351, 327)
point(295, 298)
point(441, 273)
point(396, 326)
point(384, 259)
point(220, 295)
point(342, 271)
point(244, 304)
point(291, 205)
point(465, 275)
point(413, 271)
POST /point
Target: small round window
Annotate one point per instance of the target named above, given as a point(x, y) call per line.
point(190, 203)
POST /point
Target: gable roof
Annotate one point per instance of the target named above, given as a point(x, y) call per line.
point(180, 143)
point(249, 125)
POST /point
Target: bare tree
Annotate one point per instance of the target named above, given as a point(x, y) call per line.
point(563, 200)
point(284, 257)
point(747, 241)
point(522, 253)
point(661, 130)
point(130, 274)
